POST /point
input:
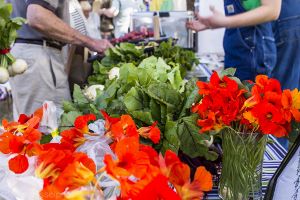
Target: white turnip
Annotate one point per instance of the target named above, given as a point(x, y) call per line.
point(19, 66)
point(4, 75)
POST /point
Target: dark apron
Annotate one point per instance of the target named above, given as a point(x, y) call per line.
point(287, 37)
point(251, 50)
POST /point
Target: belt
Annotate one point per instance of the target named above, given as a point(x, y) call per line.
point(40, 42)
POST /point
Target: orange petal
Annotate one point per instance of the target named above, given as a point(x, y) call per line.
point(81, 122)
point(18, 164)
point(204, 179)
point(179, 174)
point(51, 193)
point(296, 114)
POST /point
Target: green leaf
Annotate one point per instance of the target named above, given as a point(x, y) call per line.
point(107, 96)
point(171, 140)
point(161, 70)
point(155, 110)
point(78, 95)
point(145, 77)
point(128, 73)
point(149, 63)
point(191, 96)
point(144, 116)
point(67, 119)
point(175, 78)
point(227, 72)
point(165, 94)
point(192, 142)
point(5, 10)
point(69, 106)
point(46, 139)
point(133, 100)
point(131, 49)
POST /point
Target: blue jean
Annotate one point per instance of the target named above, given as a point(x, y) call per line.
point(287, 37)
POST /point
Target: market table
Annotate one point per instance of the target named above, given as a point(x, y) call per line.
point(274, 154)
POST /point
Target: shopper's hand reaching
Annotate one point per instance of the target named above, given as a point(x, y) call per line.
point(196, 25)
point(100, 45)
point(216, 20)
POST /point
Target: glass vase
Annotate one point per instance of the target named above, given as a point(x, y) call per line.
point(241, 177)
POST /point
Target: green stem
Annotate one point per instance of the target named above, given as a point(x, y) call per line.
point(242, 154)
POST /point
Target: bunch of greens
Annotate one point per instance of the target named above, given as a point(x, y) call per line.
point(115, 57)
point(151, 92)
point(129, 53)
point(8, 31)
point(175, 54)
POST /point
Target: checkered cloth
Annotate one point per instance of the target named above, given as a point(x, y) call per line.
point(274, 154)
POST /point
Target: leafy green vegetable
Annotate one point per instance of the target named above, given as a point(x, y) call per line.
point(175, 54)
point(8, 31)
point(154, 91)
point(166, 56)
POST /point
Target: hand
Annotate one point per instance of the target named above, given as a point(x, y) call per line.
point(217, 20)
point(102, 11)
point(196, 25)
point(100, 45)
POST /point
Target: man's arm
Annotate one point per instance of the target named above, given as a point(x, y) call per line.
point(50, 25)
point(268, 11)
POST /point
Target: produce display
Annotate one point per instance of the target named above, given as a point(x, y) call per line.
point(141, 129)
point(150, 92)
point(9, 66)
point(130, 53)
point(133, 37)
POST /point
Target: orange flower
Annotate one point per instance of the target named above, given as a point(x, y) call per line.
point(124, 128)
point(74, 176)
point(130, 161)
point(81, 122)
point(270, 119)
point(210, 123)
point(204, 88)
point(72, 137)
point(203, 179)
point(289, 102)
point(19, 164)
point(64, 170)
point(132, 169)
point(52, 162)
point(153, 155)
point(20, 139)
point(109, 120)
point(151, 132)
point(51, 192)
point(157, 189)
point(179, 175)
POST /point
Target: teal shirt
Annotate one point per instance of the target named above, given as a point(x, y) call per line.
point(250, 4)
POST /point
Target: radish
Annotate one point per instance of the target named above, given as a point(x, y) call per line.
point(4, 75)
point(19, 66)
point(114, 73)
